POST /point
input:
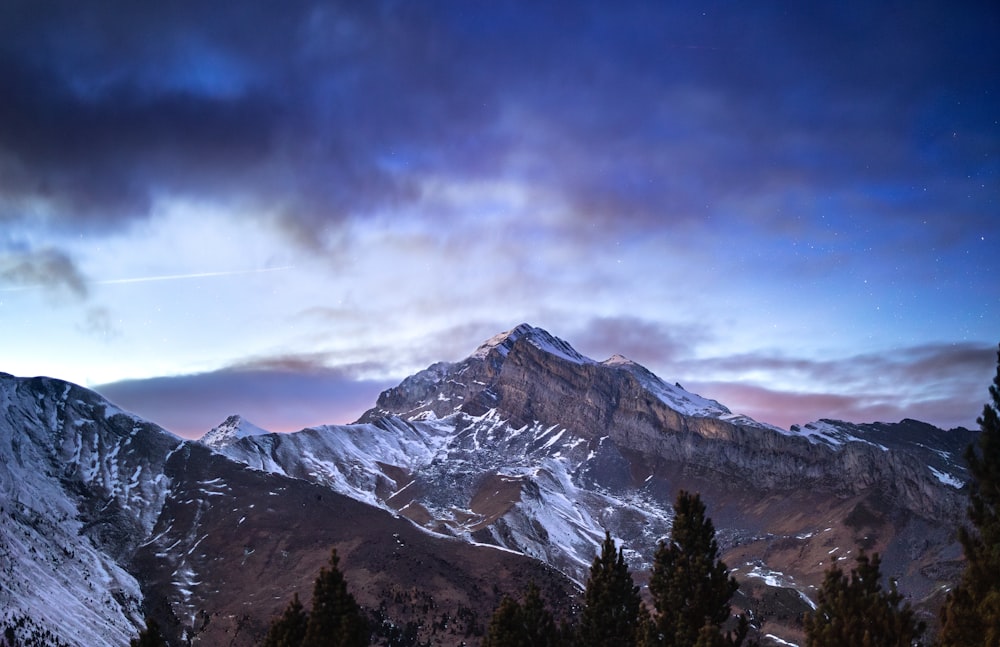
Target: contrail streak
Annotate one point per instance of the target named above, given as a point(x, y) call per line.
point(149, 279)
point(196, 275)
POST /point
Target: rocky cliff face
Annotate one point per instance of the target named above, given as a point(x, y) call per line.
point(528, 377)
point(528, 445)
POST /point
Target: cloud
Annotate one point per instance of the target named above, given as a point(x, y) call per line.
point(328, 112)
point(49, 269)
point(940, 384)
point(98, 323)
point(98, 160)
point(643, 341)
point(915, 365)
point(283, 396)
point(786, 408)
point(944, 384)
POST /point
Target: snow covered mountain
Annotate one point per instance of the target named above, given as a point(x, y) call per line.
point(530, 446)
point(463, 482)
point(106, 519)
point(232, 428)
point(81, 485)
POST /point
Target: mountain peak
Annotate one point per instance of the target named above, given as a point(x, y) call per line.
point(617, 360)
point(537, 337)
point(232, 429)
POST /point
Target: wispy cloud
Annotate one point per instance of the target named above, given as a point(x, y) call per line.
point(944, 384)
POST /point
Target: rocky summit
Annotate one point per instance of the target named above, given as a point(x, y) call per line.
point(463, 482)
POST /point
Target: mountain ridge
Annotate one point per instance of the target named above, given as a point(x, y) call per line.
point(526, 450)
point(531, 446)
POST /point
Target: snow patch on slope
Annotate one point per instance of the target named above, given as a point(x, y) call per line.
point(946, 478)
point(829, 433)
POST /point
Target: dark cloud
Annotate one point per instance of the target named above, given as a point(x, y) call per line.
point(647, 113)
point(49, 269)
point(277, 398)
point(104, 112)
point(100, 159)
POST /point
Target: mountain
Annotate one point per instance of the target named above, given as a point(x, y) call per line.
point(232, 428)
point(81, 483)
point(530, 446)
point(463, 482)
point(106, 518)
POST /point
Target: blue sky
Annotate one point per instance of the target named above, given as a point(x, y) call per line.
point(279, 211)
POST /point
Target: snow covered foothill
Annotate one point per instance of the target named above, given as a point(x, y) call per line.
point(79, 474)
point(552, 517)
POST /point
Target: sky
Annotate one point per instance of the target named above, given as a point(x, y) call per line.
point(280, 209)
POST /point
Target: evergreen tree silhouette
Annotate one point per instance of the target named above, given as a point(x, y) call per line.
point(610, 616)
point(290, 629)
point(527, 624)
point(690, 585)
point(335, 619)
point(971, 614)
point(540, 626)
point(505, 628)
point(856, 610)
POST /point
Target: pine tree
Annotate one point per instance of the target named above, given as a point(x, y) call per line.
point(971, 614)
point(610, 616)
point(857, 611)
point(527, 624)
point(335, 619)
point(290, 629)
point(150, 636)
point(690, 585)
point(505, 628)
point(539, 624)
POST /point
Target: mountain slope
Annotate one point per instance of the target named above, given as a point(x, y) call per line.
point(81, 484)
point(106, 518)
point(531, 446)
